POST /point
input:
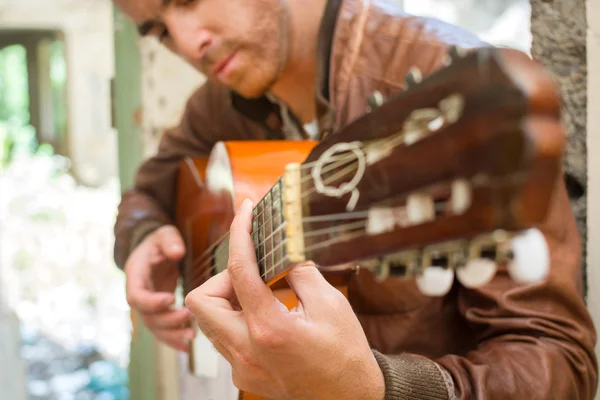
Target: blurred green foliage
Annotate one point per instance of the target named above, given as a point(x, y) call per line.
point(17, 135)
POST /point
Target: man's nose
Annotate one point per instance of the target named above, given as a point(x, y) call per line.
point(191, 40)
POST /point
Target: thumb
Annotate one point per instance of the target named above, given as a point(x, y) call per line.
point(169, 241)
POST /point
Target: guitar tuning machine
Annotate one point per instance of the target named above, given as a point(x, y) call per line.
point(525, 254)
point(454, 53)
point(481, 260)
point(413, 77)
point(438, 263)
point(404, 264)
point(528, 257)
point(474, 262)
point(382, 270)
point(374, 101)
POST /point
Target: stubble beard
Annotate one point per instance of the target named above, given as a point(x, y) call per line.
point(283, 50)
point(278, 53)
point(264, 62)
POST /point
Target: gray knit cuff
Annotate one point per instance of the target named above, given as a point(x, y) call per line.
point(409, 377)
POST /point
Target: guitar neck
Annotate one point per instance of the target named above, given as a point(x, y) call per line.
point(268, 235)
point(461, 159)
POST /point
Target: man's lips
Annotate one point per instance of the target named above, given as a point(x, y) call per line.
point(220, 66)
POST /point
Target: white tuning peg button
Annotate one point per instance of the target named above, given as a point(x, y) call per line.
point(461, 196)
point(476, 272)
point(435, 281)
point(420, 208)
point(531, 257)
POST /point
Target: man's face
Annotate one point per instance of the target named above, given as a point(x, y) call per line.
point(242, 43)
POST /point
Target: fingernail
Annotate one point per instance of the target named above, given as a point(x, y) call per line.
point(167, 301)
point(190, 336)
point(247, 203)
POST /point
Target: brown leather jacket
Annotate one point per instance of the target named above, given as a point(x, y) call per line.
point(500, 342)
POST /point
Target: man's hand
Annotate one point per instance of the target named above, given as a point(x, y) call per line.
point(317, 350)
point(151, 277)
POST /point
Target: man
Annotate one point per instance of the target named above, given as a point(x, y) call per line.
point(297, 69)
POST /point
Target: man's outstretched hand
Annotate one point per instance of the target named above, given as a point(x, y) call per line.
point(151, 277)
point(317, 350)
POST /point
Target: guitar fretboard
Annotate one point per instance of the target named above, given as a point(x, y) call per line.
point(268, 235)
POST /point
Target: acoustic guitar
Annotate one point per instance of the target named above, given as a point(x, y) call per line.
point(448, 179)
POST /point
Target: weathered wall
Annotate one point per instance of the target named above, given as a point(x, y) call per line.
point(593, 163)
point(167, 82)
point(87, 26)
point(559, 42)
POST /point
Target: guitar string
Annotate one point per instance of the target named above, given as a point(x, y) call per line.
point(201, 270)
point(313, 247)
point(224, 237)
point(206, 273)
point(202, 259)
point(337, 161)
point(335, 176)
point(341, 161)
point(304, 179)
point(393, 140)
point(209, 271)
point(308, 234)
point(320, 218)
point(390, 142)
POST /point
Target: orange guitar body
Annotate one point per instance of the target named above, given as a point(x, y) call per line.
point(210, 191)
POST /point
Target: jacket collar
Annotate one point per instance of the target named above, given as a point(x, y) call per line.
point(268, 114)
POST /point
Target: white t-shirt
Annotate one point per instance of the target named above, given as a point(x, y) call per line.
point(289, 128)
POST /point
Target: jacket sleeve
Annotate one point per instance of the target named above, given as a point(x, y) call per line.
point(534, 341)
point(150, 203)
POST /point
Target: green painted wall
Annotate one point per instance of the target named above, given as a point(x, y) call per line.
point(127, 87)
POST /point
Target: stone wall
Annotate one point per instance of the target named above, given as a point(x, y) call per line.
point(559, 42)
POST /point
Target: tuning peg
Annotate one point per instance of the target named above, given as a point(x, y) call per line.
point(481, 261)
point(476, 273)
point(374, 101)
point(436, 276)
point(530, 257)
point(460, 199)
point(435, 281)
point(381, 271)
point(457, 52)
point(413, 77)
point(454, 53)
point(420, 208)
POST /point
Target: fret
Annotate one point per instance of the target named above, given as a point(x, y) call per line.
point(268, 233)
point(260, 250)
point(277, 220)
point(255, 235)
point(282, 235)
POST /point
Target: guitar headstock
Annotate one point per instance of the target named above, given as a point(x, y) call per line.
point(452, 175)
